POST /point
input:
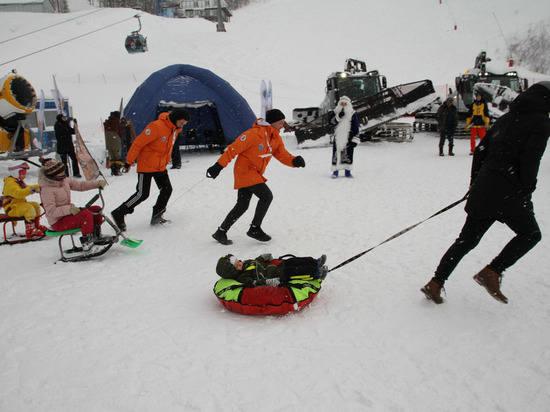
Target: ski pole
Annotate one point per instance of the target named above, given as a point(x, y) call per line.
point(401, 233)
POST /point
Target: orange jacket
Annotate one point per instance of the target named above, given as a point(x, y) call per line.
point(254, 149)
point(153, 147)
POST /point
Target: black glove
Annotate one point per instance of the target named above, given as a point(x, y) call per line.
point(298, 161)
point(127, 167)
point(214, 171)
point(353, 144)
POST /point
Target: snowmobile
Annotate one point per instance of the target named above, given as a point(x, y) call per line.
point(101, 244)
point(498, 91)
point(376, 105)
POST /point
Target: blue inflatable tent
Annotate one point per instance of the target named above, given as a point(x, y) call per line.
point(219, 114)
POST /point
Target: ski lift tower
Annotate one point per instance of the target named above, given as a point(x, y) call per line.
point(220, 26)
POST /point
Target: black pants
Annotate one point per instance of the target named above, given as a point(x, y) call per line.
point(244, 195)
point(446, 135)
point(74, 162)
point(143, 189)
point(527, 236)
point(296, 266)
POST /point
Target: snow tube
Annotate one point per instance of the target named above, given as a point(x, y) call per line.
point(266, 300)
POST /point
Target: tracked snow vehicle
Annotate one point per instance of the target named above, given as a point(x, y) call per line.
point(376, 105)
point(498, 90)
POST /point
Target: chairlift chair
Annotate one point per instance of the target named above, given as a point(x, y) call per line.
point(135, 42)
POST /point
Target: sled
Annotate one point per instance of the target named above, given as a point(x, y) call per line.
point(14, 238)
point(76, 254)
point(266, 300)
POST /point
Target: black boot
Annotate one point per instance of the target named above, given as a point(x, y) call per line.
point(451, 151)
point(257, 233)
point(157, 219)
point(87, 242)
point(221, 236)
point(118, 216)
point(441, 151)
point(99, 239)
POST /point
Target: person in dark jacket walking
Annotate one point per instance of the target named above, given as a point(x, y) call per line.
point(447, 120)
point(65, 146)
point(503, 178)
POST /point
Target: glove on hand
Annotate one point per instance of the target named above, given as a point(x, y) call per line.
point(126, 167)
point(272, 282)
point(75, 210)
point(102, 184)
point(214, 171)
point(266, 257)
point(35, 190)
point(298, 161)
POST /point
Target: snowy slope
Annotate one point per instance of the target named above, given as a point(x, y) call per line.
point(140, 329)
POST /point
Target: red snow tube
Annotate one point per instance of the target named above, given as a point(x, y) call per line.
point(266, 300)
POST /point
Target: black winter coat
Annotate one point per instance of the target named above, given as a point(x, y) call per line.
point(506, 162)
point(63, 135)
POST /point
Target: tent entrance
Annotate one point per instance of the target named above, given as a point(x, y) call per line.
point(204, 130)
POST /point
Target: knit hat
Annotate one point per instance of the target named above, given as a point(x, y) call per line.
point(274, 115)
point(179, 114)
point(225, 268)
point(52, 167)
point(60, 117)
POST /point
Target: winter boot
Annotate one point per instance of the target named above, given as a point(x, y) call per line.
point(490, 280)
point(323, 272)
point(433, 291)
point(321, 261)
point(335, 174)
point(348, 174)
point(441, 151)
point(257, 233)
point(40, 227)
point(87, 242)
point(451, 151)
point(31, 231)
point(157, 219)
point(118, 216)
point(99, 239)
point(221, 236)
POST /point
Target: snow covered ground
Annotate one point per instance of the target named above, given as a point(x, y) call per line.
point(140, 329)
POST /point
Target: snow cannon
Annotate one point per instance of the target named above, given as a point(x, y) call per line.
point(17, 100)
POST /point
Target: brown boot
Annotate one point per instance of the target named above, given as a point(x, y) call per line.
point(433, 291)
point(490, 280)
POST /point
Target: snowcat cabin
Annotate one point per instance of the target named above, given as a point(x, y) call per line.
point(355, 86)
point(465, 84)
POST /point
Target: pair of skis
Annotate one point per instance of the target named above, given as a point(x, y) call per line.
point(266, 94)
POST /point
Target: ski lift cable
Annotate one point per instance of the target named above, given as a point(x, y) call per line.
point(502, 33)
point(450, 12)
point(66, 41)
point(47, 27)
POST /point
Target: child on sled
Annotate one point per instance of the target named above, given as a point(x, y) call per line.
point(16, 205)
point(55, 191)
point(267, 271)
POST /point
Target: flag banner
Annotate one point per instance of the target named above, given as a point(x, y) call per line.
point(85, 159)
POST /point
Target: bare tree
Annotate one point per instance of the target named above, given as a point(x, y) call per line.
point(533, 48)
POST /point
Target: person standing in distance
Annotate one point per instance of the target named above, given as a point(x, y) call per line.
point(504, 176)
point(253, 150)
point(153, 150)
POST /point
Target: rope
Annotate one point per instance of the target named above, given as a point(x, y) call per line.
point(63, 42)
point(187, 191)
point(400, 233)
point(47, 27)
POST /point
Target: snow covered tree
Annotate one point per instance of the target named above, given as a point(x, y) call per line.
point(533, 49)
